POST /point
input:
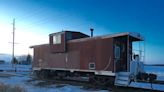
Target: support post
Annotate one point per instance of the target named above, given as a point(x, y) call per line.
point(13, 48)
point(13, 43)
point(128, 57)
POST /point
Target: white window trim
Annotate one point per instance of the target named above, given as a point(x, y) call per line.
point(57, 39)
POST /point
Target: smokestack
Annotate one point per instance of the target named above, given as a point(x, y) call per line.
point(91, 29)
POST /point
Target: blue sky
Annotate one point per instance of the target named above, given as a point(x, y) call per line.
point(38, 18)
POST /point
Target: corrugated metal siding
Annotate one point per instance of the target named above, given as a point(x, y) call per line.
point(73, 60)
point(40, 55)
point(98, 51)
point(57, 60)
point(78, 55)
point(45, 59)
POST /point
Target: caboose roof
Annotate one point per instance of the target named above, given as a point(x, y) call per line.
point(64, 31)
point(133, 36)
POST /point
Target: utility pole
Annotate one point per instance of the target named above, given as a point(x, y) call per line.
point(13, 43)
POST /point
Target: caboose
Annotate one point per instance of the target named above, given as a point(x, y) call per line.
point(104, 58)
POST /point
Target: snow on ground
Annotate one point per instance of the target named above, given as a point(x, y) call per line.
point(159, 70)
point(30, 87)
point(20, 68)
point(147, 86)
point(21, 79)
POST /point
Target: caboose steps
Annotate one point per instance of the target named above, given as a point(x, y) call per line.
point(122, 79)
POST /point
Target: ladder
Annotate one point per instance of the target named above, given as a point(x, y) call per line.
point(122, 79)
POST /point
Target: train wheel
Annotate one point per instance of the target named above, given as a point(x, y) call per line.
point(36, 73)
point(100, 80)
point(43, 74)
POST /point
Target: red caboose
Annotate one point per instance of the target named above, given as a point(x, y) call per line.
point(71, 53)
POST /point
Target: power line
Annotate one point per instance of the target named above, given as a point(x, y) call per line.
point(36, 11)
point(45, 19)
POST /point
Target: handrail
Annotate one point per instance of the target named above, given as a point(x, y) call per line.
point(109, 62)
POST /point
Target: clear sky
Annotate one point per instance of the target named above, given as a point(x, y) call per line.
point(35, 19)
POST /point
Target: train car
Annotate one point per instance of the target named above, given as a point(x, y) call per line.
point(71, 53)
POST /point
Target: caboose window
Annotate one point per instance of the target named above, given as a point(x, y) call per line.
point(57, 39)
point(69, 36)
point(91, 65)
point(117, 52)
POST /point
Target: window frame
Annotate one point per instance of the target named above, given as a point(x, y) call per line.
point(117, 52)
point(94, 65)
point(57, 39)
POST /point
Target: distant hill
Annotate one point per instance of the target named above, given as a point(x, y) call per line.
point(154, 64)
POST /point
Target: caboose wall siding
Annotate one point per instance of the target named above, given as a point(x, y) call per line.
point(57, 60)
point(106, 59)
point(98, 51)
point(78, 55)
point(73, 60)
point(40, 56)
point(45, 59)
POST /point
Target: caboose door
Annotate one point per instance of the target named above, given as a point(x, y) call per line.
point(120, 54)
point(117, 58)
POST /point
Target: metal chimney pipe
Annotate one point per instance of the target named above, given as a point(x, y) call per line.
point(91, 29)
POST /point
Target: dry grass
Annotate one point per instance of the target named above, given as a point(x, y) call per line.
point(9, 88)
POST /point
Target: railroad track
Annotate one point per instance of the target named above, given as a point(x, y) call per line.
point(87, 85)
